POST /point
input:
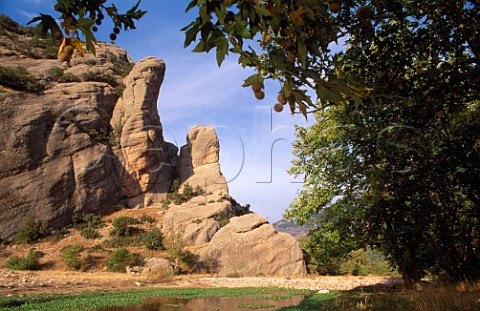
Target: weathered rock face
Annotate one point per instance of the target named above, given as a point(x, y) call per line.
point(148, 162)
point(249, 245)
point(52, 166)
point(200, 217)
point(198, 164)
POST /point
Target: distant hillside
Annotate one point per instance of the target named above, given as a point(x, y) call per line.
point(290, 228)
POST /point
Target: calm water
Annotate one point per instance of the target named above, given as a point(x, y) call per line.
point(208, 304)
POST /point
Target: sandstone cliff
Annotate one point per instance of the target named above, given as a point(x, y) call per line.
point(83, 138)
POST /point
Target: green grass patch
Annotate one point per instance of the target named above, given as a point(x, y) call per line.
point(254, 306)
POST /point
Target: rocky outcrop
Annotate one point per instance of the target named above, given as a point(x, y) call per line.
point(200, 218)
point(249, 246)
point(52, 164)
point(198, 164)
point(147, 161)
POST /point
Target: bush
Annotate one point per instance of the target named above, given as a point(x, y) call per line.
point(106, 78)
point(120, 67)
point(153, 240)
point(71, 257)
point(67, 78)
point(119, 259)
point(88, 225)
point(54, 73)
point(165, 204)
point(31, 230)
point(175, 244)
point(89, 233)
point(187, 193)
point(121, 226)
point(365, 262)
point(148, 219)
point(30, 262)
point(19, 79)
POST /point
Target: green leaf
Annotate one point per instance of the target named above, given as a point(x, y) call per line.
point(252, 79)
point(191, 5)
point(222, 50)
point(200, 47)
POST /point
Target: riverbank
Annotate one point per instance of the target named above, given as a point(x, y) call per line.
point(58, 281)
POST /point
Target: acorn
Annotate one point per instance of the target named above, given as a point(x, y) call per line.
point(257, 87)
point(278, 107)
point(334, 7)
point(260, 95)
point(282, 99)
point(363, 12)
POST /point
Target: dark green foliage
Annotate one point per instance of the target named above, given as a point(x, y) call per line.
point(121, 66)
point(122, 226)
point(89, 233)
point(147, 219)
point(135, 239)
point(119, 259)
point(88, 225)
point(365, 262)
point(56, 74)
point(106, 78)
point(31, 230)
point(82, 18)
point(187, 193)
point(19, 79)
point(68, 78)
point(30, 262)
point(71, 257)
point(165, 204)
point(153, 239)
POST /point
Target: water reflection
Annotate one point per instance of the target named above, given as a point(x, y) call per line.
point(210, 304)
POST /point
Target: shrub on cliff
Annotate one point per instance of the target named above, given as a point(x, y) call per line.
point(31, 230)
point(19, 79)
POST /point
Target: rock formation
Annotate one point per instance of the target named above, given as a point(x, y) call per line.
point(147, 161)
point(250, 246)
point(85, 144)
point(198, 163)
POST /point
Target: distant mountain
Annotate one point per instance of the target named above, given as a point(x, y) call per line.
point(291, 228)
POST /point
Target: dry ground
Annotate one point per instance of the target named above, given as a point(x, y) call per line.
point(58, 281)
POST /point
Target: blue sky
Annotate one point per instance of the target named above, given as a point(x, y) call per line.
point(255, 142)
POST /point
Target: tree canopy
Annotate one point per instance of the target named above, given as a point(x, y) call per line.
point(400, 170)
